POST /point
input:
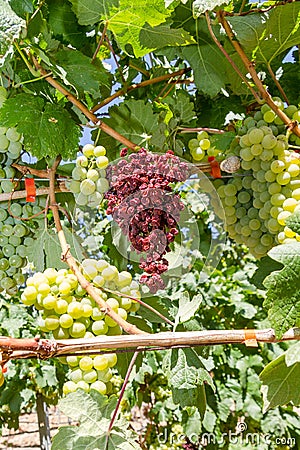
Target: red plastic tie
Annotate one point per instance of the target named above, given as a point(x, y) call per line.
point(30, 190)
point(215, 167)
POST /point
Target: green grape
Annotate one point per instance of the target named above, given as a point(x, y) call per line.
point(283, 178)
point(255, 136)
point(68, 387)
point(86, 363)
point(52, 322)
point(102, 162)
point(99, 327)
point(83, 385)
point(90, 376)
point(77, 330)
point(99, 386)
point(76, 375)
point(65, 320)
point(193, 144)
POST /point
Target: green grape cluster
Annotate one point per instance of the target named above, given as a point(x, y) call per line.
point(16, 240)
point(69, 312)
point(10, 139)
point(201, 147)
point(88, 182)
point(259, 199)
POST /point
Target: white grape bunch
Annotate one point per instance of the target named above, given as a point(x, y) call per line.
point(201, 148)
point(69, 312)
point(89, 181)
point(266, 191)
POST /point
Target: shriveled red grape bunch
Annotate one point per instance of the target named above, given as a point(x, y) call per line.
point(143, 204)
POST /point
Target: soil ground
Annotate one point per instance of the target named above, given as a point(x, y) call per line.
point(27, 436)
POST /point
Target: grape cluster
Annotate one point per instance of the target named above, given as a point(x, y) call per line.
point(16, 240)
point(145, 207)
point(69, 312)
point(258, 202)
point(201, 148)
point(88, 182)
point(10, 139)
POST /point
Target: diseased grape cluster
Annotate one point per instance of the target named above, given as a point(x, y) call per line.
point(143, 204)
point(258, 203)
point(89, 183)
point(69, 312)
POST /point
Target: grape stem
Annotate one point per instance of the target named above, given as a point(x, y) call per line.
point(138, 300)
point(100, 42)
point(45, 348)
point(88, 114)
point(127, 89)
point(229, 59)
point(121, 395)
point(198, 129)
point(72, 263)
point(292, 126)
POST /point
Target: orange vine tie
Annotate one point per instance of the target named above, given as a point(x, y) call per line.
point(250, 338)
point(215, 167)
point(30, 190)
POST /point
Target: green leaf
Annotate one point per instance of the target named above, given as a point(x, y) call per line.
point(91, 11)
point(46, 250)
point(200, 6)
point(187, 308)
point(63, 23)
point(182, 107)
point(21, 7)
point(280, 383)
point(187, 378)
point(206, 59)
point(265, 36)
point(128, 22)
point(266, 265)
point(292, 355)
point(293, 222)
point(78, 70)
point(48, 129)
point(11, 27)
point(93, 412)
point(283, 288)
point(135, 120)
point(153, 38)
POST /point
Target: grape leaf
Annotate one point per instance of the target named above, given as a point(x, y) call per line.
point(283, 288)
point(265, 36)
point(11, 27)
point(81, 73)
point(21, 7)
point(93, 412)
point(128, 22)
point(135, 120)
point(293, 222)
point(292, 355)
point(181, 107)
point(200, 6)
point(91, 11)
point(63, 23)
point(152, 38)
point(48, 129)
point(46, 250)
point(187, 308)
point(206, 60)
point(279, 380)
point(187, 378)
